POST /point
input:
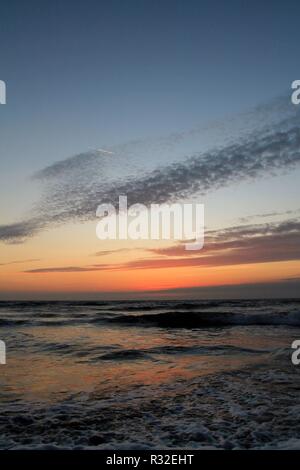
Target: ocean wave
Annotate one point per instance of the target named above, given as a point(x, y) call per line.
point(126, 354)
point(162, 319)
point(13, 322)
point(182, 319)
point(213, 350)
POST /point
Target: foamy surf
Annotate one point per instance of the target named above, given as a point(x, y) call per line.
point(149, 375)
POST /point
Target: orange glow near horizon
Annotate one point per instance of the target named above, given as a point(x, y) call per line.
point(124, 280)
point(77, 248)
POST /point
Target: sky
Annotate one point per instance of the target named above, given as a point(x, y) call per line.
point(160, 100)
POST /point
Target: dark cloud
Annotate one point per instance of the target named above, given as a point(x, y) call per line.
point(18, 232)
point(69, 269)
point(264, 290)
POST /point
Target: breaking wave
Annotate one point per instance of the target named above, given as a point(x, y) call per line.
point(182, 319)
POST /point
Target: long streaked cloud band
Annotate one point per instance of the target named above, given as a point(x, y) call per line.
point(73, 188)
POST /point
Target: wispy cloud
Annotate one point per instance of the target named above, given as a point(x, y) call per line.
point(292, 279)
point(268, 215)
point(21, 261)
point(110, 252)
point(69, 269)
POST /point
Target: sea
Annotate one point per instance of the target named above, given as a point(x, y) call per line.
point(201, 374)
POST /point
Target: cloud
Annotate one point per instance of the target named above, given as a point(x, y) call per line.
point(73, 188)
point(260, 243)
point(263, 290)
point(268, 215)
point(19, 231)
point(20, 261)
point(110, 252)
point(68, 269)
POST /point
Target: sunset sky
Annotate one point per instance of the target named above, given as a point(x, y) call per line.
point(160, 101)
